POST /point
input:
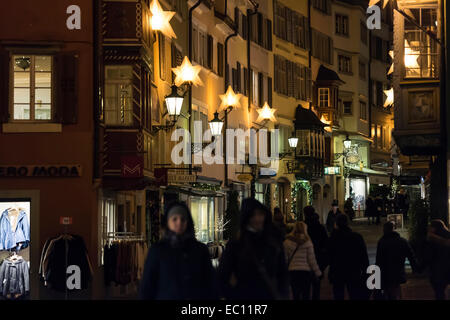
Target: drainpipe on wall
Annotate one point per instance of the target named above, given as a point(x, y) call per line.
point(191, 10)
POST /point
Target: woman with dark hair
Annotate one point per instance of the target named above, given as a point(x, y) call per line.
point(253, 266)
point(438, 236)
point(178, 267)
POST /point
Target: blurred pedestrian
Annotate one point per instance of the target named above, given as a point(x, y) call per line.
point(253, 267)
point(332, 214)
point(178, 267)
point(278, 221)
point(392, 251)
point(319, 238)
point(348, 208)
point(439, 237)
point(348, 261)
point(370, 210)
point(301, 261)
point(378, 209)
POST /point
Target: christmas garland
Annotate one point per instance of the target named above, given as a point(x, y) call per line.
point(205, 186)
point(296, 186)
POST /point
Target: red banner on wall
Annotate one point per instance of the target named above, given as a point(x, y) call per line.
point(132, 166)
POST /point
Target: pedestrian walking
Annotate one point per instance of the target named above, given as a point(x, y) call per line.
point(348, 261)
point(439, 237)
point(392, 251)
point(348, 208)
point(370, 210)
point(253, 266)
point(319, 238)
point(301, 261)
point(378, 209)
point(278, 221)
point(178, 267)
point(332, 214)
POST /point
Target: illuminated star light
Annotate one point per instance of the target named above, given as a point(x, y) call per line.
point(187, 73)
point(160, 19)
point(390, 97)
point(391, 69)
point(266, 113)
point(230, 99)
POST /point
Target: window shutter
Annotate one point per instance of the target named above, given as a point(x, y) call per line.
point(289, 25)
point(307, 33)
point(220, 59)
point(236, 17)
point(260, 29)
point(269, 90)
point(234, 76)
point(269, 35)
point(4, 86)
point(210, 51)
point(269, 143)
point(238, 77)
point(67, 90)
point(227, 74)
point(245, 82)
point(260, 89)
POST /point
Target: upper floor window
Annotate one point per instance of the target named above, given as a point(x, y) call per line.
point(342, 25)
point(32, 87)
point(347, 109)
point(322, 5)
point(421, 53)
point(363, 110)
point(362, 70)
point(322, 47)
point(290, 25)
point(345, 64)
point(118, 95)
point(324, 97)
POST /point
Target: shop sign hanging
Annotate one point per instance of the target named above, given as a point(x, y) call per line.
point(245, 177)
point(48, 171)
point(332, 170)
point(181, 178)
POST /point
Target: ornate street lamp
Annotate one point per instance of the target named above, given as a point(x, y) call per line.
point(293, 140)
point(347, 142)
point(174, 102)
point(216, 125)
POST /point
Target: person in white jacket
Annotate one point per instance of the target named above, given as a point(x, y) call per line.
point(299, 251)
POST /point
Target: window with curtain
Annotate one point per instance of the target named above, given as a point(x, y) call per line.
point(32, 87)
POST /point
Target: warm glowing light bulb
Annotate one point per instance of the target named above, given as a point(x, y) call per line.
point(186, 73)
point(230, 99)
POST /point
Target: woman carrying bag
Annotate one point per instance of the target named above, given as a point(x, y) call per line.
point(301, 261)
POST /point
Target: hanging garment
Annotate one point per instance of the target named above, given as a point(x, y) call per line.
point(54, 263)
point(14, 279)
point(10, 238)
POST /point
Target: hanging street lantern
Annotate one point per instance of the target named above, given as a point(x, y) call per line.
point(174, 102)
point(216, 125)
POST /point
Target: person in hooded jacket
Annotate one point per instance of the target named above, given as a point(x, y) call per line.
point(178, 267)
point(319, 238)
point(253, 266)
point(392, 250)
point(348, 261)
point(301, 261)
point(438, 236)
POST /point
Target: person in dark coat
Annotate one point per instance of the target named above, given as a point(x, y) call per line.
point(178, 267)
point(278, 221)
point(319, 238)
point(392, 250)
point(348, 261)
point(379, 205)
point(439, 237)
point(370, 210)
point(348, 209)
point(253, 266)
point(332, 214)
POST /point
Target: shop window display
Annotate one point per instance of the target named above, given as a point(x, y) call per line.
point(14, 249)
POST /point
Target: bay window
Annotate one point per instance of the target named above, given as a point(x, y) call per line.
point(118, 95)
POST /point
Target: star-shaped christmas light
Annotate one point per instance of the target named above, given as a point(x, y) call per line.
point(411, 57)
point(266, 113)
point(390, 97)
point(160, 19)
point(230, 99)
point(187, 73)
point(391, 69)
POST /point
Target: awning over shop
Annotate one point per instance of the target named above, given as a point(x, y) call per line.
point(375, 176)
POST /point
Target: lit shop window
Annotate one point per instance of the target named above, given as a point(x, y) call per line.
point(118, 95)
point(421, 55)
point(202, 209)
point(32, 83)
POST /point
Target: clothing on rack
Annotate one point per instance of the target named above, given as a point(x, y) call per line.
point(14, 278)
point(13, 233)
point(124, 261)
point(53, 263)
